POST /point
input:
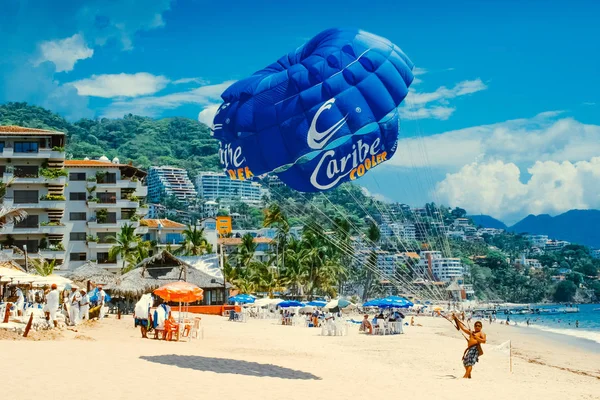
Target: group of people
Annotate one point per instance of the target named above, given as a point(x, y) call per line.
point(76, 305)
point(394, 316)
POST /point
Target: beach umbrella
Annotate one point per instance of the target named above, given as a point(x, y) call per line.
point(316, 303)
point(372, 303)
point(183, 292)
point(338, 303)
point(242, 299)
point(267, 301)
point(404, 303)
point(290, 303)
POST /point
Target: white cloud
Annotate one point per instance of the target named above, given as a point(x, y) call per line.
point(376, 196)
point(120, 85)
point(189, 80)
point(521, 141)
point(443, 94)
point(496, 188)
point(109, 20)
point(153, 105)
point(64, 53)
point(436, 112)
point(207, 115)
point(419, 71)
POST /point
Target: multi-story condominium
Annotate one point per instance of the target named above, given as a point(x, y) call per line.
point(32, 169)
point(169, 181)
point(215, 186)
point(447, 269)
point(433, 266)
point(102, 197)
point(538, 240)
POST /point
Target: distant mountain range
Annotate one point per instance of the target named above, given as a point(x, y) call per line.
point(576, 226)
point(487, 222)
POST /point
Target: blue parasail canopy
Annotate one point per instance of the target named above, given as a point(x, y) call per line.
point(323, 114)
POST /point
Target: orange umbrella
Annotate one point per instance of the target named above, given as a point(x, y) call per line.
point(183, 292)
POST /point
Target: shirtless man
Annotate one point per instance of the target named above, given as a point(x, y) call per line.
point(474, 341)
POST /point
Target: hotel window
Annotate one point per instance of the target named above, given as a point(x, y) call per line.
point(32, 221)
point(77, 216)
point(77, 196)
point(26, 147)
point(78, 236)
point(77, 256)
point(77, 176)
point(103, 258)
point(26, 196)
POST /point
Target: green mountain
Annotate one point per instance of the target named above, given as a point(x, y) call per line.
point(486, 221)
point(576, 226)
point(180, 142)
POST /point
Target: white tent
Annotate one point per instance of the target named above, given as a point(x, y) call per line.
point(266, 301)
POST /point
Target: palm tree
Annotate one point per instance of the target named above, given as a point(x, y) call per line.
point(139, 253)
point(295, 272)
point(125, 244)
point(244, 254)
point(42, 266)
point(194, 244)
point(9, 215)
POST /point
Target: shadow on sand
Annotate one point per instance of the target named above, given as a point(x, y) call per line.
point(229, 366)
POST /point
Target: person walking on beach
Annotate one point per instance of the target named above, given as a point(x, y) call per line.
point(101, 297)
point(84, 306)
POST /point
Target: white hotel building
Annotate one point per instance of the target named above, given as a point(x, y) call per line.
point(433, 265)
point(102, 197)
point(31, 166)
point(216, 186)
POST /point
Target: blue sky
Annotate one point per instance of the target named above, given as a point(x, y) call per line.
point(497, 81)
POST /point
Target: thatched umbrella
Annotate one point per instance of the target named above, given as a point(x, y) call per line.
point(91, 272)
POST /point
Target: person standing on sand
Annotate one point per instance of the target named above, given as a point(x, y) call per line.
point(101, 297)
point(84, 306)
point(474, 341)
point(74, 300)
point(52, 300)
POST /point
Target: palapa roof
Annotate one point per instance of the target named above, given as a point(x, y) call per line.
point(164, 223)
point(14, 129)
point(91, 272)
point(159, 270)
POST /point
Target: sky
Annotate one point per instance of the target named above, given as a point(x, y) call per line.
point(503, 117)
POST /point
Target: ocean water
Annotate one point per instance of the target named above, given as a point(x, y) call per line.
point(563, 324)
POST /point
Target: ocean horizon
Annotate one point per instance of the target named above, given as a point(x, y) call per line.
point(565, 325)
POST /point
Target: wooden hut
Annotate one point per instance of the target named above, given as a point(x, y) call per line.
point(163, 268)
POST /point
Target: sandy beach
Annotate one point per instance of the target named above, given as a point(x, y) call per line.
point(262, 360)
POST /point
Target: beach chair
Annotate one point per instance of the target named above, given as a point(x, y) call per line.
point(158, 331)
point(195, 329)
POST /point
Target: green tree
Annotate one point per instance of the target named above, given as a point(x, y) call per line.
point(565, 291)
point(124, 246)
point(42, 266)
point(194, 242)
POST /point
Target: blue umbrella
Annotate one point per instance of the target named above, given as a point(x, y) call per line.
point(316, 303)
point(398, 300)
point(290, 303)
point(373, 303)
point(242, 299)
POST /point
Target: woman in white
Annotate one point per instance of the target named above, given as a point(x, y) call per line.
point(20, 302)
point(84, 306)
point(74, 300)
point(52, 300)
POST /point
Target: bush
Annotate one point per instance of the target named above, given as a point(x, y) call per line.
point(91, 179)
point(53, 197)
point(58, 148)
point(565, 291)
point(53, 173)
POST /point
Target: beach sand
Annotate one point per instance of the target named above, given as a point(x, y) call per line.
point(262, 360)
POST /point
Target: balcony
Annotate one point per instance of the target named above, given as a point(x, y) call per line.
point(52, 253)
point(100, 245)
point(119, 183)
point(118, 224)
point(9, 177)
point(8, 152)
point(114, 204)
